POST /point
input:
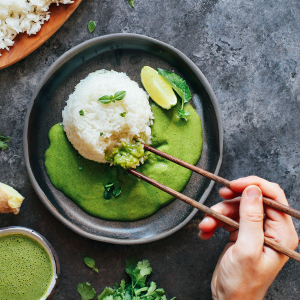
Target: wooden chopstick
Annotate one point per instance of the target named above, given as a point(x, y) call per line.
point(278, 206)
point(269, 242)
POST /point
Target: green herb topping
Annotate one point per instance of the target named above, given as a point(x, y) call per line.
point(91, 26)
point(123, 114)
point(3, 142)
point(180, 87)
point(118, 96)
point(111, 191)
point(101, 133)
point(131, 3)
point(86, 291)
point(81, 112)
point(90, 263)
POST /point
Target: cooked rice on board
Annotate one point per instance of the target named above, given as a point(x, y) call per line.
point(83, 130)
point(18, 16)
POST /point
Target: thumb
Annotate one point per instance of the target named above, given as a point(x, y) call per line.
point(251, 234)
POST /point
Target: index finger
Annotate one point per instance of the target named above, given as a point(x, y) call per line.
point(269, 189)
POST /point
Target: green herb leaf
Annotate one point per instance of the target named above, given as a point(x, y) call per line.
point(90, 263)
point(81, 112)
point(91, 26)
point(123, 114)
point(86, 291)
point(107, 186)
point(101, 133)
point(107, 194)
point(116, 192)
point(105, 99)
point(119, 95)
point(3, 142)
point(80, 168)
point(182, 113)
point(177, 83)
point(131, 3)
point(106, 292)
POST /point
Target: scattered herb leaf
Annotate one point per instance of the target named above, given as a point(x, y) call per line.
point(112, 98)
point(90, 263)
point(91, 26)
point(81, 113)
point(3, 142)
point(183, 113)
point(101, 133)
point(131, 3)
point(111, 191)
point(80, 168)
point(116, 192)
point(86, 291)
point(123, 114)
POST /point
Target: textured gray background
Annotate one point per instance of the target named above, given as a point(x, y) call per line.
point(249, 52)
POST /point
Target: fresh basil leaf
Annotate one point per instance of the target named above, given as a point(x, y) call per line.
point(91, 26)
point(119, 95)
point(183, 113)
point(177, 83)
point(116, 192)
point(123, 114)
point(86, 291)
point(131, 3)
point(105, 99)
point(81, 112)
point(101, 133)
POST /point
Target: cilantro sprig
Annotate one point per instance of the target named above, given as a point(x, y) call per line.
point(90, 262)
point(86, 291)
point(3, 142)
point(111, 191)
point(180, 87)
point(118, 96)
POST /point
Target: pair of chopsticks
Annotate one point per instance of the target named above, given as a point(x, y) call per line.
point(280, 207)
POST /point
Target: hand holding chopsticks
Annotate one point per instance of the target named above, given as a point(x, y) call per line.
point(268, 241)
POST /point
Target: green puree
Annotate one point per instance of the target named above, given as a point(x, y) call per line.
point(25, 268)
point(83, 180)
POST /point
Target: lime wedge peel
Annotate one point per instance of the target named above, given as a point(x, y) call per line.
point(158, 89)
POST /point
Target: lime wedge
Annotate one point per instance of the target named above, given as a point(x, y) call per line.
point(158, 89)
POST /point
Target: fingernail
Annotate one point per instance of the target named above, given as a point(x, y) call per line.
point(206, 219)
point(253, 191)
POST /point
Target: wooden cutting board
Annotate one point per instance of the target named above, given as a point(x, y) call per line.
point(25, 44)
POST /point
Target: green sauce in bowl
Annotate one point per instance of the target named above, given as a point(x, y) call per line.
point(26, 271)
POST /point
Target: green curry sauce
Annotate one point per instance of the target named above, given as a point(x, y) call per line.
point(83, 180)
point(25, 268)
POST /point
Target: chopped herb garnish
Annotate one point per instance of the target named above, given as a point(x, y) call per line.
point(86, 291)
point(81, 112)
point(3, 142)
point(80, 168)
point(111, 191)
point(123, 114)
point(101, 133)
point(180, 87)
point(131, 3)
point(90, 263)
point(118, 96)
point(91, 26)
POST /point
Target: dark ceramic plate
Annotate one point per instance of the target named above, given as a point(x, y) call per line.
point(123, 53)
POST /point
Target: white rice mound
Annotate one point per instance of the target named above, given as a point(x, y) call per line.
point(84, 131)
point(23, 16)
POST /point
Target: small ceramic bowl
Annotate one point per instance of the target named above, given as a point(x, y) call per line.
point(46, 245)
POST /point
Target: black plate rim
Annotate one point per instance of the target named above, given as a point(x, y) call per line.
point(56, 65)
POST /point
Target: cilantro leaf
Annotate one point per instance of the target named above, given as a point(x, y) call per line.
point(86, 291)
point(130, 265)
point(91, 26)
point(3, 142)
point(183, 113)
point(90, 263)
point(177, 83)
point(106, 292)
point(131, 3)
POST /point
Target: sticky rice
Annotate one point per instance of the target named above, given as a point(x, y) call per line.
point(101, 127)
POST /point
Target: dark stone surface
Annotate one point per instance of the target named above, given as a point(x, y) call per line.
point(249, 51)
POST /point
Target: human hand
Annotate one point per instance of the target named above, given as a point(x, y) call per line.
point(247, 267)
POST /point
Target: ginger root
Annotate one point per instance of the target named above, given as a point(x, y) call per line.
point(10, 200)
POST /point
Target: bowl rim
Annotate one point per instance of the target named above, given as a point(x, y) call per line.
point(52, 69)
point(46, 245)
